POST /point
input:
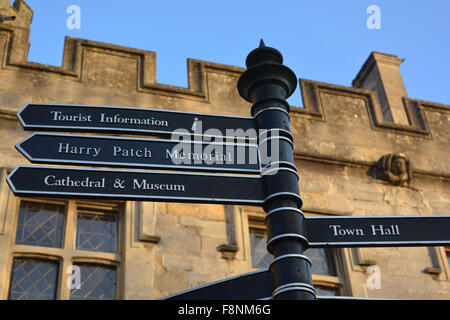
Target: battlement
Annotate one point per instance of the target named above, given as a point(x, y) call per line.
point(20, 10)
point(357, 124)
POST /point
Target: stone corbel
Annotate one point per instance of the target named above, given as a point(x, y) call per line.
point(228, 251)
point(147, 222)
point(394, 168)
point(433, 270)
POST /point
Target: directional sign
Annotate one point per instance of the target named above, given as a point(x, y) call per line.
point(378, 231)
point(138, 152)
point(136, 185)
point(60, 117)
point(256, 285)
point(250, 286)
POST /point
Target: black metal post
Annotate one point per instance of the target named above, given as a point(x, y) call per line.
point(267, 83)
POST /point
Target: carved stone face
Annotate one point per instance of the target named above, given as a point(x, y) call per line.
point(399, 166)
point(398, 170)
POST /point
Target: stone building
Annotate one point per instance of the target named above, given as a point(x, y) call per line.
point(365, 150)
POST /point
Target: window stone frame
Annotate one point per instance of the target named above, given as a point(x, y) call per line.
point(67, 255)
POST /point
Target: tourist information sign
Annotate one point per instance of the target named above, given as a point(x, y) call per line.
point(63, 117)
point(140, 152)
point(136, 185)
point(378, 231)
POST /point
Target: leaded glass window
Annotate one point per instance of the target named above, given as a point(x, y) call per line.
point(97, 283)
point(71, 228)
point(96, 231)
point(326, 291)
point(260, 257)
point(321, 258)
point(447, 252)
point(322, 262)
point(40, 224)
point(33, 280)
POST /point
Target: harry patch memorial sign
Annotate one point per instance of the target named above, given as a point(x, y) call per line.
point(140, 152)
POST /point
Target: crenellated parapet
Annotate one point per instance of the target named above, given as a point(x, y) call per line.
point(346, 123)
point(413, 109)
point(94, 64)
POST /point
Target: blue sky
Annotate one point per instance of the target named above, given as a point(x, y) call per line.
point(324, 40)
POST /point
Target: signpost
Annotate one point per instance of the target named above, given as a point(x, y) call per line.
point(144, 153)
point(63, 117)
point(266, 83)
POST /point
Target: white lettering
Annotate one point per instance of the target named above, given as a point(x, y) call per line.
point(143, 184)
point(68, 182)
point(117, 118)
point(118, 151)
point(68, 148)
point(190, 310)
point(376, 229)
point(338, 231)
point(214, 156)
point(392, 230)
point(59, 116)
point(46, 180)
